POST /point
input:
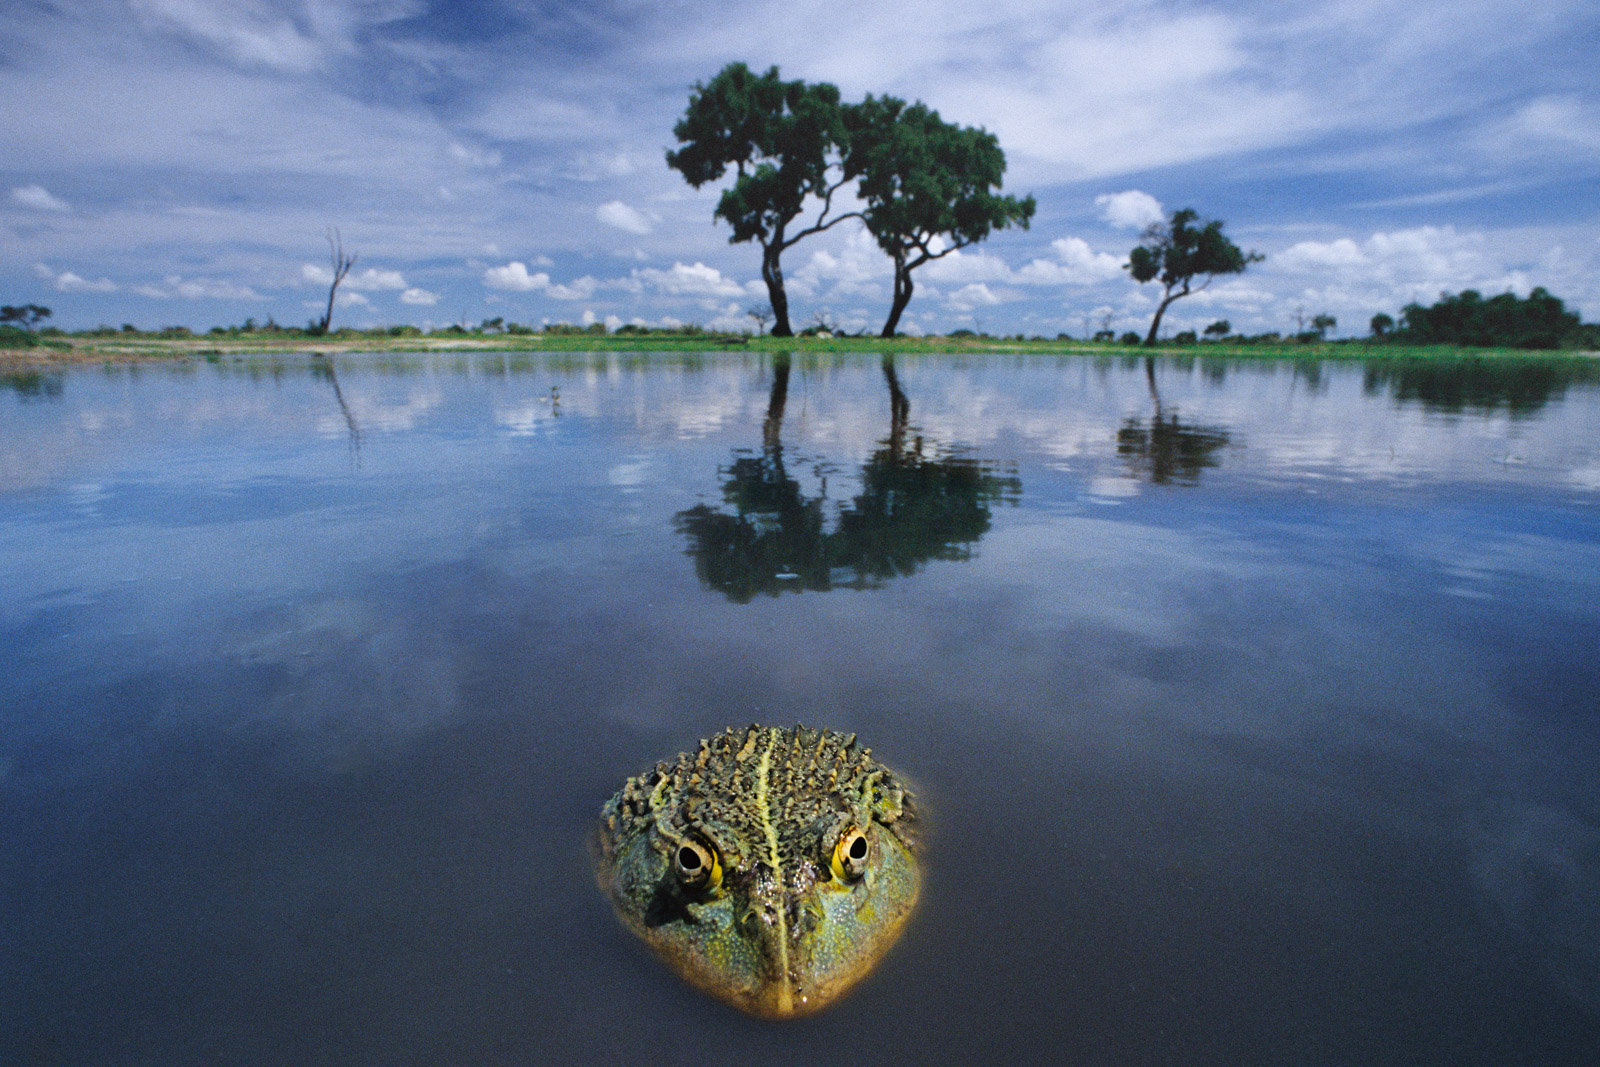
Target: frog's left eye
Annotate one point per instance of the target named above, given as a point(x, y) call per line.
point(850, 855)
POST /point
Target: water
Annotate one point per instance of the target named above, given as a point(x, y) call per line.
point(1255, 704)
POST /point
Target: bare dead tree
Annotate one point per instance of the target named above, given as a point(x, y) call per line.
point(341, 264)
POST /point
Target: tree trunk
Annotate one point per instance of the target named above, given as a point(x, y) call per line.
point(772, 274)
point(902, 297)
point(1155, 324)
point(772, 429)
point(899, 408)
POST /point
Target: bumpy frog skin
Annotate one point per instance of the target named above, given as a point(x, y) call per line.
point(770, 867)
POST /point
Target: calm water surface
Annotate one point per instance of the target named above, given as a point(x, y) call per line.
point(1256, 704)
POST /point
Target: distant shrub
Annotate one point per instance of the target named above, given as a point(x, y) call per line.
point(518, 329)
point(1185, 337)
point(1104, 335)
point(1130, 338)
point(1506, 321)
point(12, 337)
point(964, 334)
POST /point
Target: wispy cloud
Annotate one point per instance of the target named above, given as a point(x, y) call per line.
point(38, 198)
point(620, 215)
point(68, 282)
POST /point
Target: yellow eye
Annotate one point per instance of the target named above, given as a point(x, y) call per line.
point(697, 865)
point(850, 856)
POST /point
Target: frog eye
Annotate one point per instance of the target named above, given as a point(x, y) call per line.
point(697, 865)
point(850, 855)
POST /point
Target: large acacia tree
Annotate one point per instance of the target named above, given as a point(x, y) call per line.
point(1176, 252)
point(784, 140)
point(929, 186)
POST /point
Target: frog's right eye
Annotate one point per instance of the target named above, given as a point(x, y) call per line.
point(697, 865)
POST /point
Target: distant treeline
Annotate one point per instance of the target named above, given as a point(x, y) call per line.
point(1506, 321)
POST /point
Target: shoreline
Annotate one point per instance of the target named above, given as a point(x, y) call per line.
point(54, 353)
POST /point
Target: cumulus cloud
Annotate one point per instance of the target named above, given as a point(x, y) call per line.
point(515, 277)
point(974, 296)
point(68, 282)
point(616, 213)
point(370, 280)
point(1076, 264)
point(1431, 257)
point(1129, 210)
point(579, 289)
point(38, 198)
point(419, 297)
point(697, 280)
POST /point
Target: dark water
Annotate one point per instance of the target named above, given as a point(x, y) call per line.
point(1256, 704)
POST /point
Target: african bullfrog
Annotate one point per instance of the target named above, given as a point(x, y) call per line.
point(770, 867)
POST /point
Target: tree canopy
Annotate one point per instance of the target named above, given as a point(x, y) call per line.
point(1176, 252)
point(1539, 321)
point(784, 139)
point(929, 186)
point(27, 315)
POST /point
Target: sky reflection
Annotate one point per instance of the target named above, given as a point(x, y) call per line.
point(1262, 689)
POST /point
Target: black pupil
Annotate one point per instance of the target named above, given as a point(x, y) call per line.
point(858, 849)
point(688, 858)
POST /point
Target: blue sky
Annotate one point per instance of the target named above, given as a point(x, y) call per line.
point(179, 161)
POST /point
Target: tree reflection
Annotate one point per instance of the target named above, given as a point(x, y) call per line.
point(34, 385)
point(1520, 385)
point(771, 536)
point(1165, 450)
point(322, 367)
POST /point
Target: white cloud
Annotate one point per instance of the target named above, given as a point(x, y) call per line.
point(370, 280)
point(697, 280)
point(1434, 258)
point(958, 267)
point(971, 297)
point(580, 289)
point(209, 289)
point(616, 213)
point(38, 198)
point(419, 297)
point(1129, 210)
point(69, 282)
point(515, 276)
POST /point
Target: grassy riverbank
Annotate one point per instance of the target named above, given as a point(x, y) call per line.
point(70, 349)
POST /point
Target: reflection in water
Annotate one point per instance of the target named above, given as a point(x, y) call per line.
point(915, 505)
point(1165, 450)
point(1479, 383)
point(33, 385)
point(323, 368)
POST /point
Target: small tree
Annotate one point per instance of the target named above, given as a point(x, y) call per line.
point(341, 265)
point(26, 316)
point(927, 184)
point(1219, 329)
point(1382, 324)
point(762, 316)
point(1322, 323)
point(783, 140)
point(1176, 252)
